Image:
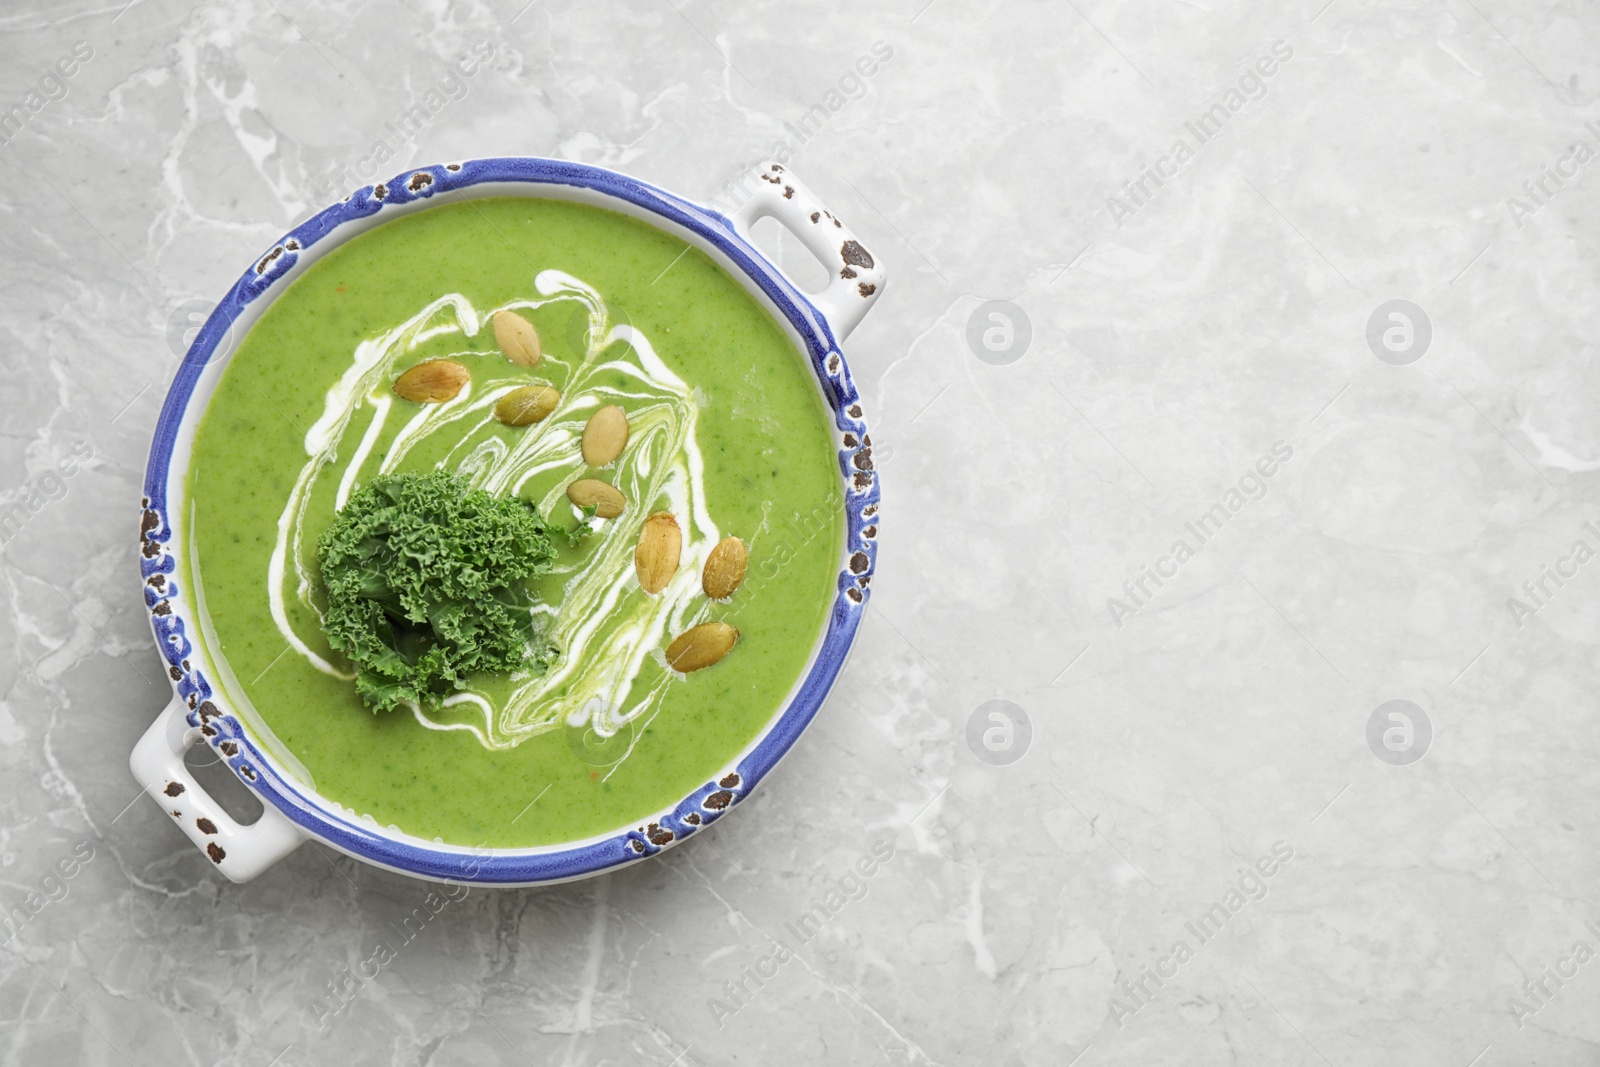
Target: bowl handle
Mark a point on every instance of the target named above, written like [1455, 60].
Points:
[855, 277]
[241, 852]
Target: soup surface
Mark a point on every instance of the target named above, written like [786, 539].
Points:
[727, 431]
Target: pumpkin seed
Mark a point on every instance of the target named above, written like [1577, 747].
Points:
[607, 500]
[660, 548]
[724, 568]
[700, 647]
[432, 382]
[605, 436]
[517, 338]
[527, 404]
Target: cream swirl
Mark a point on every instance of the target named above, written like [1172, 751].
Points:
[604, 627]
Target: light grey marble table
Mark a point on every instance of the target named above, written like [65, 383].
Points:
[1221, 842]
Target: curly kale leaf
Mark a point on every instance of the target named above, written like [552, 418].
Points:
[426, 584]
[584, 527]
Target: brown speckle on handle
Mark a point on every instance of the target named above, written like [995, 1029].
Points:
[863, 481]
[380, 191]
[636, 845]
[174, 789]
[718, 800]
[863, 460]
[859, 563]
[850, 440]
[229, 748]
[420, 180]
[658, 834]
[161, 608]
[177, 675]
[847, 273]
[866, 289]
[452, 167]
[870, 532]
[214, 850]
[788, 192]
[246, 770]
[693, 818]
[852, 253]
[855, 411]
[292, 245]
[206, 825]
[209, 710]
[149, 523]
[854, 594]
[208, 730]
[815, 215]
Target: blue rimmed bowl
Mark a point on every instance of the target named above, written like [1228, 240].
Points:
[292, 809]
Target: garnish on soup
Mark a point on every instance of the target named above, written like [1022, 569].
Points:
[424, 580]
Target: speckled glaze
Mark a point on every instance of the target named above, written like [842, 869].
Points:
[198, 713]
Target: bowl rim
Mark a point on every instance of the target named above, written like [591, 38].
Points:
[173, 616]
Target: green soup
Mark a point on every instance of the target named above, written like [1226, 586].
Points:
[728, 431]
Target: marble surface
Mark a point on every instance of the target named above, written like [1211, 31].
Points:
[1176, 742]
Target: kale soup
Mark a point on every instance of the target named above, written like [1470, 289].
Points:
[513, 521]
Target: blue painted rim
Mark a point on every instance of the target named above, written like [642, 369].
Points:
[176, 633]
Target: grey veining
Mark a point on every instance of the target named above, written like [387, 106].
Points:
[1179, 330]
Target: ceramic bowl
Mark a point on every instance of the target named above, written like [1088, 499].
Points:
[199, 713]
